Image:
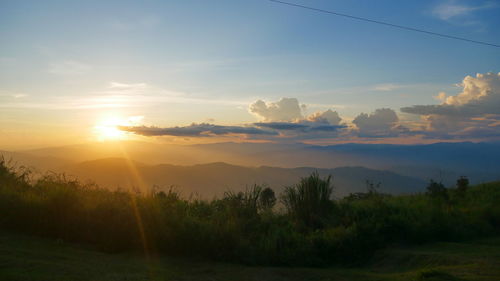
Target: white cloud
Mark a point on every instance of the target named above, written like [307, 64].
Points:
[484, 88]
[328, 116]
[383, 122]
[118, 85]
[387, 87]
[145, 22]
[459, 12]
[286, 109]
[451, 9]
[474, 112]
[10, 95]
[69, 67]
[480, 95]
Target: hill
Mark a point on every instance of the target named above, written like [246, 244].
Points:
[312, 228]
[440, 161]
[213, 179]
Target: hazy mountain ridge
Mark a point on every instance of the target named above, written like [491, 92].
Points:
[213, 179]
[440, 161]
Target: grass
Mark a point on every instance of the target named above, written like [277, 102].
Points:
[32, 258]
[238, 228]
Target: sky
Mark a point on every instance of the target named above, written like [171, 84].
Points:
[196, 71]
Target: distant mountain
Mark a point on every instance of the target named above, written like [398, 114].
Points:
[34, 162]
[439, 161]
[213, 179]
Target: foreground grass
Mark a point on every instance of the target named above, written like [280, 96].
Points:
[314, 230]
[29, 258]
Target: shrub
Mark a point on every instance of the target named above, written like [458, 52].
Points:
[242, 226]
[309, 202]
[267, 199]
[437, 190]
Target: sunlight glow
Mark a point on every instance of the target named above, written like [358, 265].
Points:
[107, 128]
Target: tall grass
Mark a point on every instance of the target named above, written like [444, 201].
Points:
[309, 202]
[314, 229]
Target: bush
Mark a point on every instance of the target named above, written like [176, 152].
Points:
[243, 227]
[309, 202]
[437, 190]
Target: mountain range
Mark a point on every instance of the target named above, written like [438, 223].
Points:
[211, 169]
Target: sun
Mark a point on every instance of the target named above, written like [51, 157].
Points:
[107, 129]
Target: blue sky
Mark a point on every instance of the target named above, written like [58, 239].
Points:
[207, 61]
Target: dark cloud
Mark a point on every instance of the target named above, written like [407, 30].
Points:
[257, 129]
[303, 126]
[196, 130]
[281, 125]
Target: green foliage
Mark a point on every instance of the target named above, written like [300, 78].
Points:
[371, 187]
[315, 230]
[33, 258]
[436, 275]
[267, 199]
[309, 202]
[437, 190]
[462, 185]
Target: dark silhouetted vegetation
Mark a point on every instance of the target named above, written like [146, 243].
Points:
[462, 185]
[267, 199]
[309, 202]
[437, 190]
[312, 229]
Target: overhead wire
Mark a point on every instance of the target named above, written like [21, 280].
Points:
[408, 28]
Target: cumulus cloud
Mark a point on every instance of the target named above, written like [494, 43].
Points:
[382, 122]
[195, 130]
[474, 113]
[329, 117]
[480, 95]
[476, 109]
[287, 118]
[286, 109]
[290, 124]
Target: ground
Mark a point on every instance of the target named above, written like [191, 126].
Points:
[29, 258]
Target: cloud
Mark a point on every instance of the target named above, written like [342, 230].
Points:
[453, 9]
[257, 129]
[138, 23]
[195, 130]
[480, 95]
[461, 13]
[473, 113]
[386, 87]
[281, 125]
[286, 109]
[325, 124]
[114, 95]
[383, 122]
[69, 67]
[12, 95]
[302, 127]
[328, 116]
[128, 86]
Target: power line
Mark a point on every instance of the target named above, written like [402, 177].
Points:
[385, 23]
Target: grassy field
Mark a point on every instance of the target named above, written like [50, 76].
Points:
[30, 258]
